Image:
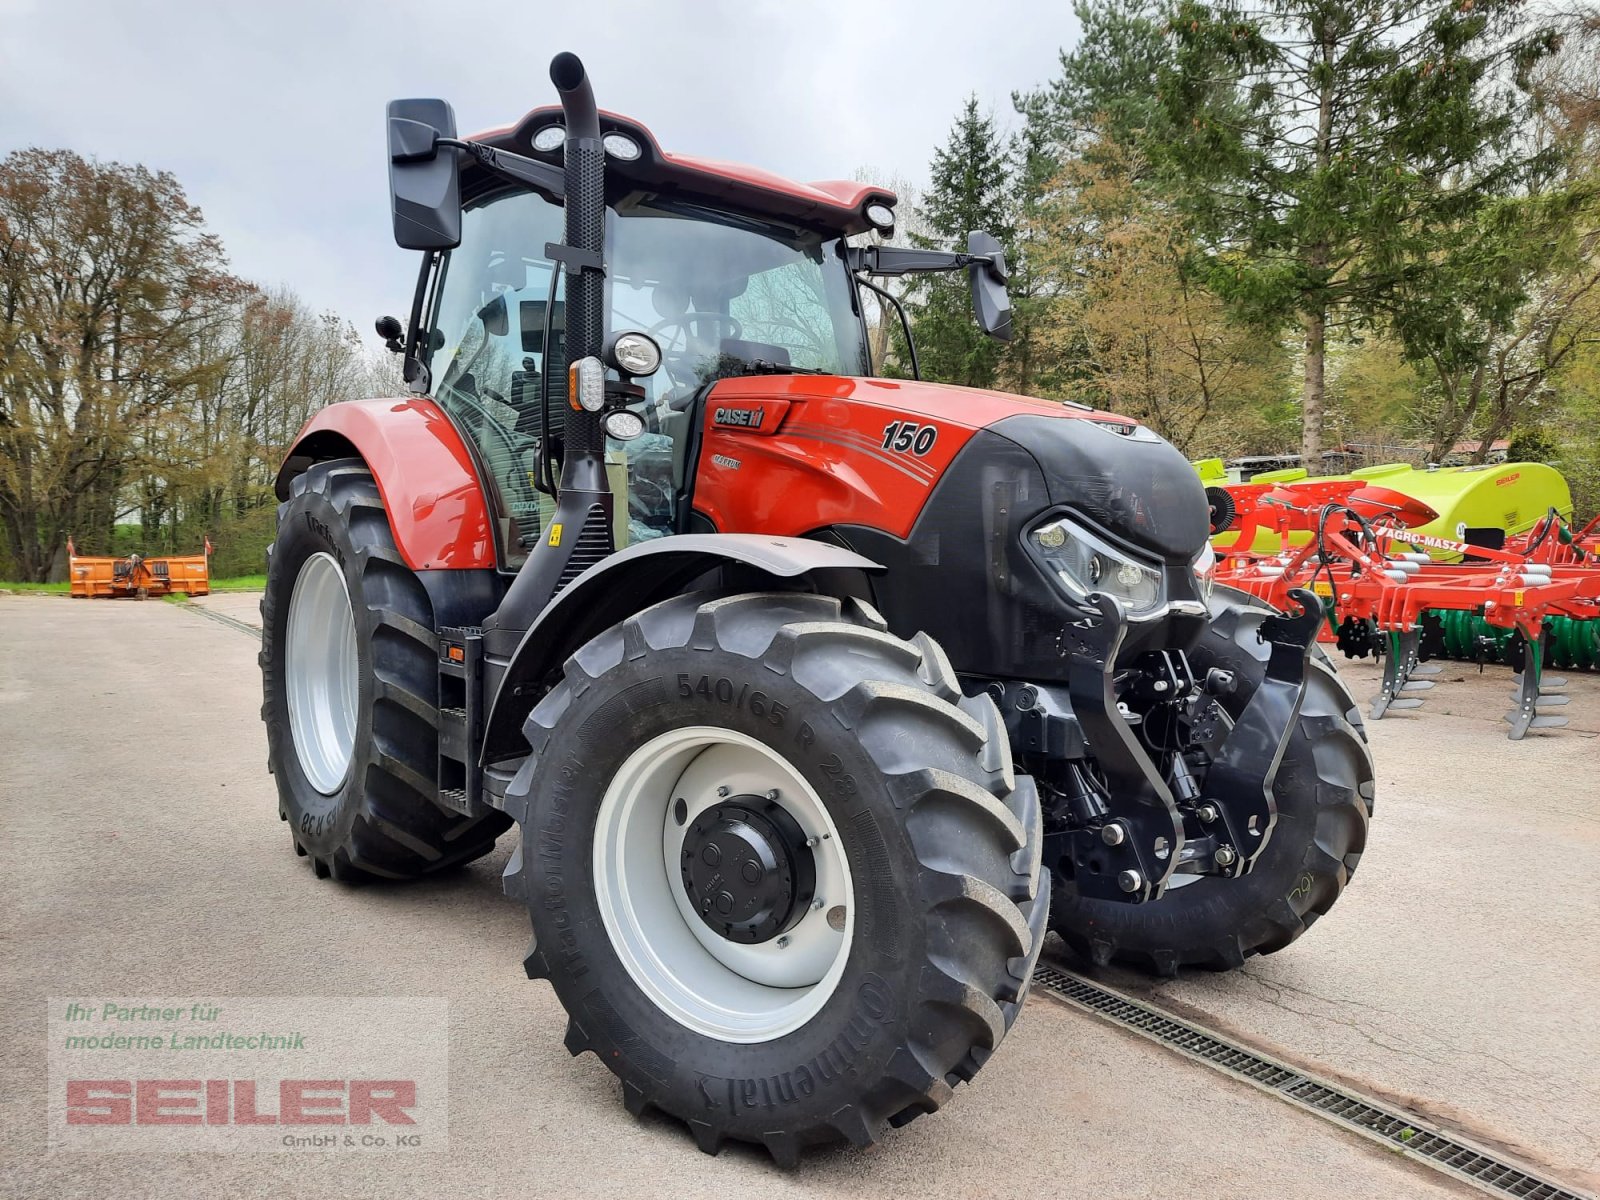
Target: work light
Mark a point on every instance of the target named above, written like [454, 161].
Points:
[586, 385]
[634, 354]
[623, 425]
[620, 146]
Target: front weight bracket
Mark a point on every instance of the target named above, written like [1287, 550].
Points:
[1244, 767]
[1133, 861]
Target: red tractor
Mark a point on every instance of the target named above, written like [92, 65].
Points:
[817, 698]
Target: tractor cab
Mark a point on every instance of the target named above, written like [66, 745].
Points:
[729, 270]
[720, 293]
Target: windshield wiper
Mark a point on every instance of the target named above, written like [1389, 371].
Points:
[762, 367]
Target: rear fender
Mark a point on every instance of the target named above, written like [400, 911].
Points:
[424, 472]
[629, 582]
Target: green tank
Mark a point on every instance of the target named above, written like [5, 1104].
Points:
[1513, 497]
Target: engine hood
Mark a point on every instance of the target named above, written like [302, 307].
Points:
[1124, 478]
[970, 408]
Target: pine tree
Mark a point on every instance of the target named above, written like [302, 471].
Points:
[1338, 154]
[968, 190]
[1104, 95]
[1107, 85]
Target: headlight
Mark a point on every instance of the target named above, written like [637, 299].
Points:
[1085, 563]
[633, 354]
[1205, 572]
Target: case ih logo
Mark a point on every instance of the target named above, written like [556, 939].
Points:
[739, 418]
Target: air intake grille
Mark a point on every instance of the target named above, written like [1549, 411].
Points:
[594, 544]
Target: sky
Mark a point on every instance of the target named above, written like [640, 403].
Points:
[271, 114]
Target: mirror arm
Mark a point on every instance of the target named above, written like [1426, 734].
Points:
[551, 181]
[901, 260]
[412, 370]
[905, 322]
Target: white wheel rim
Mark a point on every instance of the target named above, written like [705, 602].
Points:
[735, 992]
[322, 674]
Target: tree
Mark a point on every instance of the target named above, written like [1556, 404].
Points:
[139, 380]
[1126, 324]
[968, 191]
[110, 292]
[1106, 88]
[1548, 240]
[1104, 94]
[1337, 154]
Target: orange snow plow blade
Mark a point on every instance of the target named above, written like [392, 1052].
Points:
[137, 576]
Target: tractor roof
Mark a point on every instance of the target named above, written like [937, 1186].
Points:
[833, 205]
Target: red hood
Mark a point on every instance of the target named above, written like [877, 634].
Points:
[970, 408]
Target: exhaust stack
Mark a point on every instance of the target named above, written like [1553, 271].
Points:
[579, 533]
[585, 234]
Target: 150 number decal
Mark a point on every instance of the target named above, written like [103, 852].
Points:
[910, 437]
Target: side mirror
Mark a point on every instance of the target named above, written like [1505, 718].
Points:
[991, 303]
[496, 319]
[424, 183]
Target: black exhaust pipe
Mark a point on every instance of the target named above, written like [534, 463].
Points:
[577, 97]
[585, 162]
[579, 533]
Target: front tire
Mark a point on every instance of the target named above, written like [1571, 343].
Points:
[705, 708]
[1324, 792]
[350, 690]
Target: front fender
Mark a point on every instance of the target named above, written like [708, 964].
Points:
[424, 472]
[629, 582]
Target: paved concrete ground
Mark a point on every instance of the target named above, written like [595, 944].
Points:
[1459, 974]
[142, 856]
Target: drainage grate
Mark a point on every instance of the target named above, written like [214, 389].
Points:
[1396, 1130]
[243, 627]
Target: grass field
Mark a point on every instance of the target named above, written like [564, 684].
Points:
[239, 583]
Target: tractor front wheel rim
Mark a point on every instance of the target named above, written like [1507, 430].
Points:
[322, 675]
[771, 976]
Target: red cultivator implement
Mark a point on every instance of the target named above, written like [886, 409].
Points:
[1385, 594]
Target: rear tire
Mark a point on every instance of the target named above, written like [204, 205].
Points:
[357, 786]
[945, 898]
[1324, 791]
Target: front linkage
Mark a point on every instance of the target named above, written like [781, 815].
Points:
[1124, 824]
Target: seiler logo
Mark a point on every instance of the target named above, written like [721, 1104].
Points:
[739, 418]
[234, 1102]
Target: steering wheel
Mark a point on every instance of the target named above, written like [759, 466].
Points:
[685, 326]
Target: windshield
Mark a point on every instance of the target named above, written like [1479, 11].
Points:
[723, 294]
